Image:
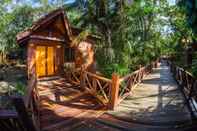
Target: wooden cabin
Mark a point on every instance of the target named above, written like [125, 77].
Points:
[49, 46]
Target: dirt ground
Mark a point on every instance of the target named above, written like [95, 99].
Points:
[10, 77]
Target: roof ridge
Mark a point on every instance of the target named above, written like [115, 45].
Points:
[27, 32]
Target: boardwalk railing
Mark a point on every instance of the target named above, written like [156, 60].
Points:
[98, 86]
[188, 84]
[130, 81]
[25, 117]
[18, 119]
[32, 101]
[9, 121]
[111, 92]
[73, 76]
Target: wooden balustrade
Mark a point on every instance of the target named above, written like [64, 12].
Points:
[26, 116]
[130, 81]
[98, 86]
[73, 76]
[9, 121]
[110, 92]
[32, 101]
[188, 85]
[23, 114]
[18, 119]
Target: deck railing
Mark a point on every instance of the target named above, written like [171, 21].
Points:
[111, 92]
[18, 119]
[73, 76]
[98, 86]
[25, 117]
[9, 121]
[188, 84]
[130, 81]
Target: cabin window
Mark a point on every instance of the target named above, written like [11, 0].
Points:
[69, 54]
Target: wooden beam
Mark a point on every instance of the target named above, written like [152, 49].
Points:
[8, 114]
[47, 38]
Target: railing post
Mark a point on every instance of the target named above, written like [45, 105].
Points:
[82, 80]
[23, 114]
[140, 73]
[114, 91]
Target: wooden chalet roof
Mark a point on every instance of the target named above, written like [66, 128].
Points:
[71, 31]
[23, 36]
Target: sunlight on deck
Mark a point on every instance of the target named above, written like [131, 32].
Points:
[156, 100]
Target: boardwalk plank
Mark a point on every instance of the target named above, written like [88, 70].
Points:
[156, 104]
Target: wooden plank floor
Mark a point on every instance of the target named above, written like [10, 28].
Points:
[156, 105]
[63, 105]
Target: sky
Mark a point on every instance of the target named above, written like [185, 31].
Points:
[172, 2]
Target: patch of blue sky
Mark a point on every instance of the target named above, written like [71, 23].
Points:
[172, 2]
[33, 3]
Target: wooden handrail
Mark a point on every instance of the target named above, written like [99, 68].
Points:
[97, 86]
[31, 85]
[188, 84]
[8, 114]
[31, 101]
[133, 79]
[131, 74]
[23, 114]
[98, 77]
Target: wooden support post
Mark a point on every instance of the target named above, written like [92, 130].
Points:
[94, 83]
[82, 80]
[140, 74]
[156, 63]
[114, 91]
[23, 114]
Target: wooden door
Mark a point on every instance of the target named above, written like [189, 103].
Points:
[50, 61]
[41, 61]
[45, 61]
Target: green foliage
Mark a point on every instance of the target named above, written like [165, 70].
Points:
[114, 68]
[132, 33]
[190, 8]
[20, 88]
[194, 71]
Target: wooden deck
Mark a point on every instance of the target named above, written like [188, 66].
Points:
[155, 104]
[63, 104]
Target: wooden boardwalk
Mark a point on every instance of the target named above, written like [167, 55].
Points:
[63, 104]
[155, 104]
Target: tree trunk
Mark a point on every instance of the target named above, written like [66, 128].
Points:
[2, 58]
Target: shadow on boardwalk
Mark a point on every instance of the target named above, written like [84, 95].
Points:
[156, 105]
[156, 102]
